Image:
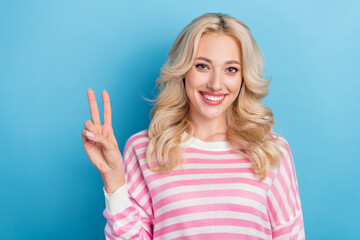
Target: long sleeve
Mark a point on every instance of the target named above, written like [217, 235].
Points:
[283, 199]
[128, 210]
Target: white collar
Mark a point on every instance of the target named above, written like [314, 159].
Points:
[194, 142]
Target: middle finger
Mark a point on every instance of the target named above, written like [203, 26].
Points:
[107, 108]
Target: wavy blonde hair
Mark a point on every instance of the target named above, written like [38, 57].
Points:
[249, 123]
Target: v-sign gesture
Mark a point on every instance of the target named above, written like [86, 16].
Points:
[100, 144]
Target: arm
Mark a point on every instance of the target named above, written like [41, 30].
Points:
[128, 210]
[283, 199]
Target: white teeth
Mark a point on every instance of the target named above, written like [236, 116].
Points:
[212, 98]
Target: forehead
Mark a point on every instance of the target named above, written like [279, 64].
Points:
[218, 47]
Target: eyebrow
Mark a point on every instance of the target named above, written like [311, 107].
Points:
[209, 61]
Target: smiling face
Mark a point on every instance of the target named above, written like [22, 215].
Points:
[213, 82]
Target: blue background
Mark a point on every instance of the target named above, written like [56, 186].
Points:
[52, 51]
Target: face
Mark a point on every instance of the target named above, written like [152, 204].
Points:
[213, 82]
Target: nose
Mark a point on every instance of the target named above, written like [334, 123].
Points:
[214, 81]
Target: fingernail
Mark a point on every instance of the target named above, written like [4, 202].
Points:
[104, 90]
[89, 134]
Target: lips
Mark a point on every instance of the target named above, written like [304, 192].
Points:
[212, 98]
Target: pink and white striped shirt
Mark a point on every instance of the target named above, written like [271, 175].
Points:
[212, 195]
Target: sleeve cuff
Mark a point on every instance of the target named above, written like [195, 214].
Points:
[117, 201]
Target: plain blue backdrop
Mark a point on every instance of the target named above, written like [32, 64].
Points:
[52, 51]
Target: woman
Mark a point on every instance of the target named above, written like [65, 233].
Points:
[209, 166]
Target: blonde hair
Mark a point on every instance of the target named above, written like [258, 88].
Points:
[249, 123]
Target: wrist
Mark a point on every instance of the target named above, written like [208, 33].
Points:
[113, 181]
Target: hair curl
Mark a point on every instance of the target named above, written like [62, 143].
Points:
[249, 123]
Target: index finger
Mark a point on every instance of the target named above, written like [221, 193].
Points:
[93, 107]
[107, 108]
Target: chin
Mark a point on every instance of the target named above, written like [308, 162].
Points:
[212, 116]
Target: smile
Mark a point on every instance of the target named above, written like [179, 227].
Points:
[212, 99]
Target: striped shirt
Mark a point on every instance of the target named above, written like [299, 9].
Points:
[213, 194]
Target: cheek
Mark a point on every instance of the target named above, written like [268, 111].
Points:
[233, 85]
[235, 89]
[195, 79]
[189, 88]
[238, 86]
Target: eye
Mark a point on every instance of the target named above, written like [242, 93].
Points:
[202, 66]
[233, 70]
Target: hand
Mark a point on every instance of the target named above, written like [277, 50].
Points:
[102, 149]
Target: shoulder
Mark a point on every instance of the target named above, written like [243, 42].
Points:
[134, 140]
[280, 140]
[285, 151]
[142, 135]
[283, 145]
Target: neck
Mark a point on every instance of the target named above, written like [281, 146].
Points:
[210, 130]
